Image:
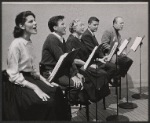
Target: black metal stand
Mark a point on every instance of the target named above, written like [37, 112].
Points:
[127, 105]
[140, 95]
[96, 120]
[96, 91]
[117, 117]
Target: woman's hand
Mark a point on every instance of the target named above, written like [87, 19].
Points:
[45, 81]
[93, 66]
[41, 94]
[37, 90]
[77, 81]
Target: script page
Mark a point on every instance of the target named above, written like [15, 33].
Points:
[90, 58]
[122, 47]
[57, 66]
[136, 43]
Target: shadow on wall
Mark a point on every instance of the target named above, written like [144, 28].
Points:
[124, 81]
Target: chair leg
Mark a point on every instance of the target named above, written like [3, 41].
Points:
[120, 90]
[87, 112]
[104, 103]
[116, 90]
[80, 107]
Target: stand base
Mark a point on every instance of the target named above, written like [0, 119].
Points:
[117, 118]
[94, 120]
[127, 105]
[140, 96]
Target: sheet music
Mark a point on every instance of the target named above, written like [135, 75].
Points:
[136, 43]
[122, 47]
[90, 58]
[57, 66]
[112, 51]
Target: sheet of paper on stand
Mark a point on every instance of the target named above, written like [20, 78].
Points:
[136, 43]
[123, 46]
[90, 58]
[57, 66]
[112, 51]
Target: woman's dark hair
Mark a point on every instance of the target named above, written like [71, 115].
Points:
[21, 19]
[54, 22]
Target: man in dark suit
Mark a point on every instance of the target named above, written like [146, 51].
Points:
[53, 47]
[90, 41]
[112, 35]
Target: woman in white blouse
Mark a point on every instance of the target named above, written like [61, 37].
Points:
[35, 98]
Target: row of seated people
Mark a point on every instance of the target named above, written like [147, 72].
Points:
[27, 95]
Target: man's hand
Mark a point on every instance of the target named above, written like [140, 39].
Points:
[77, 81]
[81, 77]
[54, 84]
[124, 53]
[93, 66]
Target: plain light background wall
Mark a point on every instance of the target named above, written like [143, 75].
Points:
[135, 17]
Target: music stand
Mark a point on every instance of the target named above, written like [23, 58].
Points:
[95, 90]
[140, 95]
[127, 105]
[64, 68]
[65, 65]
[93, 57]
[117, 117]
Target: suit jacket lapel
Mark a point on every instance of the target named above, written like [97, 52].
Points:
[93, 38]
[117, 36]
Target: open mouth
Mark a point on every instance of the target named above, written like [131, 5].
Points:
[34, 27]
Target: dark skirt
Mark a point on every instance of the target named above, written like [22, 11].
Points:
[21, 103]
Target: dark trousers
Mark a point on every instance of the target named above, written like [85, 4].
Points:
[124, 64]
[109, 67]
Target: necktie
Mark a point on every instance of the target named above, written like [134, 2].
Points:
[95, 40]
[64, 45]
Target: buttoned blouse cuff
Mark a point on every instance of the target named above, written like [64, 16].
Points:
[18, 79]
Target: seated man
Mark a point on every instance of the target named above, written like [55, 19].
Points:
[108, 39]
[54, 46]
[90, 42]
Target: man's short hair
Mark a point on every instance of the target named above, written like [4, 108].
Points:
[92, 19]
[53, 21]
[115, 19]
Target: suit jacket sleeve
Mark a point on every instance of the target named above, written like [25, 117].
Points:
[106, 38]
[87, 39]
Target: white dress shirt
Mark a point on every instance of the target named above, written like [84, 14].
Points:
[20, 58]
[58, 36]
[91, 32]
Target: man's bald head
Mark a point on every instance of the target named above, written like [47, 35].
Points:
[118, 23]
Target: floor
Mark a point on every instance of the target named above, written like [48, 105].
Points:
[137, 114]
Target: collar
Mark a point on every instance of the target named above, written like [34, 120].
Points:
[91, 32]
[25, 42]
[78, 37]
[58, 36]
